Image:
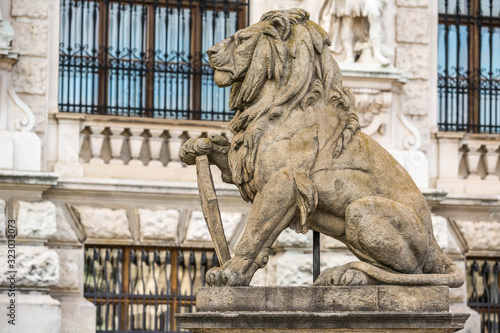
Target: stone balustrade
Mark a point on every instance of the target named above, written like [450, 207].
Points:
[116, 147]
[468, 163]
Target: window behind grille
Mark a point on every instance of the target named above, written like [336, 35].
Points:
[483, 295]
[469, 66]
[141, 288]
[144, 58]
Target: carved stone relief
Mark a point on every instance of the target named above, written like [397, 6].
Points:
[372, 106]
[357, 30]
[6, 35]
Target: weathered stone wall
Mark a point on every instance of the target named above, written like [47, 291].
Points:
[36, 264]
[30, 21]
[413, 37]
[151, 224]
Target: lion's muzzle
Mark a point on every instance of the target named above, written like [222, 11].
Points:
[218, 55]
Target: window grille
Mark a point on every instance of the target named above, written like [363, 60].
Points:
[483, 283]
[139, 289]
[144, 58]
[469, 66]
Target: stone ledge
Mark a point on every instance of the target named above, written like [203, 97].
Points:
[324, 299]
[281, 322]
[364, 309]
[29, 177]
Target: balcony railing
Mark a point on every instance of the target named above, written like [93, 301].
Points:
[127, 148]
[144, 58]
[467, 163]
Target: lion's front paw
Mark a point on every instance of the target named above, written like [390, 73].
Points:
[214, 145]
[194, 147]
[222, 277]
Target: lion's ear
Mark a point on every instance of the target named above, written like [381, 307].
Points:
[279, 27]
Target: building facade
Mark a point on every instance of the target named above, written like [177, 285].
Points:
[97, 97]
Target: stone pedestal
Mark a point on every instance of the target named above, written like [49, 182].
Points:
[322, 309]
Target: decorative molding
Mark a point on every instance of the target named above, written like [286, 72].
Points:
[22, 123]
[414, 140]
[372, 106]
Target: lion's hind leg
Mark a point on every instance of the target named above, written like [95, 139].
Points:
[344, 275]
[362, 273]
[393, 245]
[382, 233]
[387, 234]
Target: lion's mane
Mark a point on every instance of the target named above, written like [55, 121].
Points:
[292, 51]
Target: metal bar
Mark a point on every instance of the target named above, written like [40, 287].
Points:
[316, 255]
[446, 65]
[490, 73]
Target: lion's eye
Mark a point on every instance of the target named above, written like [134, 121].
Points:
[241, 39]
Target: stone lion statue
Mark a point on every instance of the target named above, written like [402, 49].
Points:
[299, 156]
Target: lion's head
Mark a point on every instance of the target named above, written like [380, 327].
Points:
[284, 45]
[276, 66]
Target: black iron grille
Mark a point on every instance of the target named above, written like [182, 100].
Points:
[138, 289]
[469, 66]
[483, 283]
[144, 58]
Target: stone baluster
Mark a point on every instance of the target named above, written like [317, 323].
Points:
[474, 156]
[96, 141]
[490, 160]
[462, 156]
[155, 144]
[84, 133]
[116, 142]
[194, 134]
[174, 145]
[136, 140]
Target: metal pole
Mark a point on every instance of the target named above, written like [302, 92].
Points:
[316, 255]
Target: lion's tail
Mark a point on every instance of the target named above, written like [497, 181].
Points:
[453, 277]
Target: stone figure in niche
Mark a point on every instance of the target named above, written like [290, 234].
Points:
[299, 156]
[355, 29]
[6, 35]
